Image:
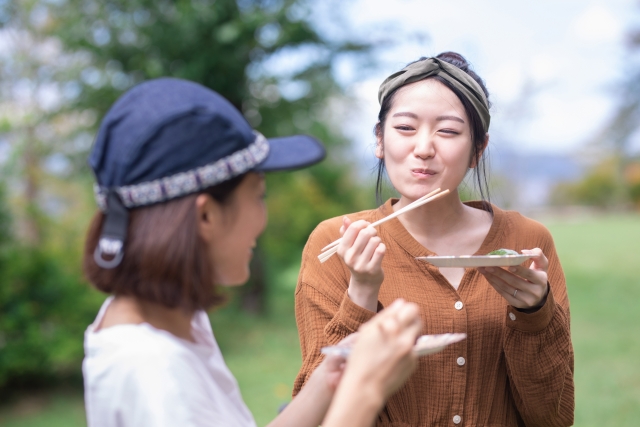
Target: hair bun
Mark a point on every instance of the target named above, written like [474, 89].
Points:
[456, 59]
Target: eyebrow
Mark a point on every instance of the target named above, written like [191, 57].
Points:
[439, 118]
[454, 118]
[405, 114]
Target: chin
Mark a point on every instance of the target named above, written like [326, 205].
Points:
[232, 280]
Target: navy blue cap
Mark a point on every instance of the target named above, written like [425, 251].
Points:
[168, 127]
[166, 138]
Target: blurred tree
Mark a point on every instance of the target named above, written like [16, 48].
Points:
[613, 181]
[262, 55]
[38, 136]
[63, 63]
[596, 189]
[617, 136]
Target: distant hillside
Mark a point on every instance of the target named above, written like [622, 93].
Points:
[524, 180]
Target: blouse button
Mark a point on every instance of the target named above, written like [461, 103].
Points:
[457, 419]
[512, 316]
[460, 361]
[458, 305]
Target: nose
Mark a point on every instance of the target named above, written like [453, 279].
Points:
[424, 148]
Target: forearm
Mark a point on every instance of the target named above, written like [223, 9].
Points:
[309, 407]
[354, 406]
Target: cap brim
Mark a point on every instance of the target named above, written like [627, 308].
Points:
[292, 152]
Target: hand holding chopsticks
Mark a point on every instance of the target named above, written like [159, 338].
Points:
[332, 248]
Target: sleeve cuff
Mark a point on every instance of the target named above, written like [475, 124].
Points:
[350, 315]
[532, 322]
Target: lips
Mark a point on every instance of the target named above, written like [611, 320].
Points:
[423, 172]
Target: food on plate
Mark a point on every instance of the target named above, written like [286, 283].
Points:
[503, 252]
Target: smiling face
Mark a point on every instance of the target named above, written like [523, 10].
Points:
[426, 140]
[232, 229]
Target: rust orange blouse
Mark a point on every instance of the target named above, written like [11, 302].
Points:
[514, 369]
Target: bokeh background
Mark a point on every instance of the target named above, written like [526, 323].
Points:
[564, 79]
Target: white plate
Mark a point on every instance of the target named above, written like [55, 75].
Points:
[426, 344]
[475, 260]
[429, 344]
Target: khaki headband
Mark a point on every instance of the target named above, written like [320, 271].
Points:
[434, 67]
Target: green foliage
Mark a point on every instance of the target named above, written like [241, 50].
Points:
[45, 308]
[5, 219]
[598, 188]
[610, 184]
[230, 46]
[108, 46]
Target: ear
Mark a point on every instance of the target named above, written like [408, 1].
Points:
[379, 142]
[474, 160]
[209, 217]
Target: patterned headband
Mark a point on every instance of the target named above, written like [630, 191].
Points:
[434, 67]
[192, 181]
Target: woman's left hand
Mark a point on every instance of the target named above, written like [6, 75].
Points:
[332, 367]
[522, 287]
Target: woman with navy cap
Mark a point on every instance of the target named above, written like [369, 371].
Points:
[181, 196]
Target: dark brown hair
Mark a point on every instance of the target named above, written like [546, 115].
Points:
[475, 124]
[165, 259]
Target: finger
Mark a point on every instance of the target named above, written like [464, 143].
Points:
[348, 340]
[369, 250]
[333, 362]
[408, 314]
[502, 287]
[405, 321]
[497, 282]
[531, 275]
[508, 277]
[525, 297]
[378, 254]
[351, 233]
[364, 235]
[359, 245]
[539, 260]
[503, 292]
[346, 222]
[389, 311]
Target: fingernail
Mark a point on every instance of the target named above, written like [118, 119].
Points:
[512, 269]
[489, 269]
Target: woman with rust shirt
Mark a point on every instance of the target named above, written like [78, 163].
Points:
[516, 366]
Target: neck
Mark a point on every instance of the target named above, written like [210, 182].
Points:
[131, 310]
[444, 214]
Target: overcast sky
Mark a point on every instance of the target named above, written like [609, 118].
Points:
[571, 52]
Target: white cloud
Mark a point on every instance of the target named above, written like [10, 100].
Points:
[546, 46]
[543, 68]
[506, 80]
[596, 24]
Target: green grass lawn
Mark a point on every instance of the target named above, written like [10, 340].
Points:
[602, 265]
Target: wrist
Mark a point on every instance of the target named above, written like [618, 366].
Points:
[318, 390]
[366, 296]
[541, 303]
[356, 402]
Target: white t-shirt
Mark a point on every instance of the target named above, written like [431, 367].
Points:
[140, 376]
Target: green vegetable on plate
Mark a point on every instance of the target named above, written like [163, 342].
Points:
[503, 252]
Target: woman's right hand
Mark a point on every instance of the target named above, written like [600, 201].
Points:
[362, 251]
[381, 360]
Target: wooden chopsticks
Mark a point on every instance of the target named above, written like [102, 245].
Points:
[329, 250]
